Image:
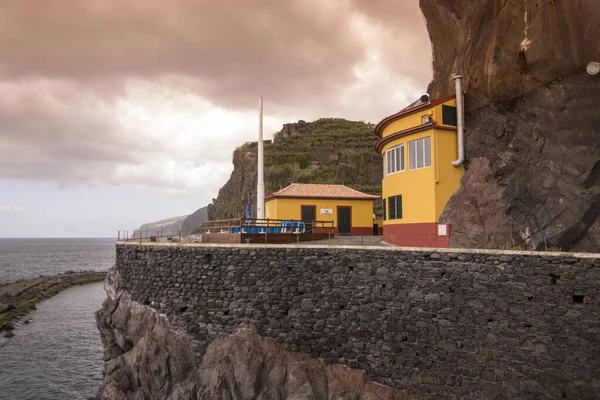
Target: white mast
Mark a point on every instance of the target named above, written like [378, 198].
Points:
[260, 185]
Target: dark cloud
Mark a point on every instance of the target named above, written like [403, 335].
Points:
[290, 50]
[232, 49]
[65, 65]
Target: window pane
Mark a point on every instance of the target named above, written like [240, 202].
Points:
[412, 163]
[420, 155]
[398, 158]
[392, 206]
[427, 141]
[401, 148]
[384, 210]
[389, 170]
[393, 160]
[399, 207]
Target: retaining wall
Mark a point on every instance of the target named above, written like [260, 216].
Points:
[471, 324]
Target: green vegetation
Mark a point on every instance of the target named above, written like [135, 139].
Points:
[328, 150]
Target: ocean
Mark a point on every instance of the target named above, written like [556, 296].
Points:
[58, 355]
[30, 258]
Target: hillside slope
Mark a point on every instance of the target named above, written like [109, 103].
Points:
[169, 226]
[328, 150]
[194, 221]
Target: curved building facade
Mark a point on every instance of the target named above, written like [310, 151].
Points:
[418, 145]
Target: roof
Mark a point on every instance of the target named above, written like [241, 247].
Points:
[418, 105]
[315, 190]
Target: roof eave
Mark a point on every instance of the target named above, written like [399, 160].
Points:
[388, 120]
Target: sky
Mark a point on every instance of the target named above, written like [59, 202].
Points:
[114, 114]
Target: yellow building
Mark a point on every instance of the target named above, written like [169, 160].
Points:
[419, 145]
[350, 210]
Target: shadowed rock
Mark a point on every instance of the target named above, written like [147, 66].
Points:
[532, 176]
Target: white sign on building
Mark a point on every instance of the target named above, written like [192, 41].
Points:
[326, 211]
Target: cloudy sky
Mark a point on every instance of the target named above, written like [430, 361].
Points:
[115, 113]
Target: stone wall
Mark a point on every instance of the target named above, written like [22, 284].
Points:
[477, 324]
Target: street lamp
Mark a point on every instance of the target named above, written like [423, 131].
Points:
[593, 68]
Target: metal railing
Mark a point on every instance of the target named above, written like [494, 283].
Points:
[268, 226]
[148, 235]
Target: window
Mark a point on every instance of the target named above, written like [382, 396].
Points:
[395, 204]
[449, 116]
[395, 159]
[419, 153]
[384, 210]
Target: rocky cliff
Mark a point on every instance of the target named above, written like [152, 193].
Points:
[532, 176]
[169, 226]
[194, 220]
[328, 150]
[146, 359]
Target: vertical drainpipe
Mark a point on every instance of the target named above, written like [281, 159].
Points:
[460, 121]
[260, 185]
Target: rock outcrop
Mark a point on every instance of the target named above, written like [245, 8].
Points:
[532, 176]
[146, 359]
[17, 299]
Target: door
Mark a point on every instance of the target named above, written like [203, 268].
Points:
[344, 220]
[308, 215]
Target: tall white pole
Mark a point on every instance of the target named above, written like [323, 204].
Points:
[260, 185]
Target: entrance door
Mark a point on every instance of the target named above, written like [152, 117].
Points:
[344, 220]
[308, 214]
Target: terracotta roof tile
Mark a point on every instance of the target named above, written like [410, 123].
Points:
[314, 190]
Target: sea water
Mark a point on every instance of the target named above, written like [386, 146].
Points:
[58, 355]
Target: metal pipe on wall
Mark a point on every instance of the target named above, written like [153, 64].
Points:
[460, 121]
[260, 184]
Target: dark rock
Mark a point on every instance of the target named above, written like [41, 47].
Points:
[532, 175]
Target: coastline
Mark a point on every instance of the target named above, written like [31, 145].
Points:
[19, 298]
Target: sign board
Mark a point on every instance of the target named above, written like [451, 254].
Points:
[326, 211]
[442, 230]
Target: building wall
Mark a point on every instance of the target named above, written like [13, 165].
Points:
[426, 191]
[448, 176]
[416, 119]
[362, 210]
[417, 187]
[440, 324]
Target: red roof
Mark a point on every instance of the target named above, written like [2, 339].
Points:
[315, 190]
[417, 106]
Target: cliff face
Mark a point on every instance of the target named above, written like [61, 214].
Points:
[194, 221]
[169, 226]
[532, 175]
[328, 150]
[146, 359]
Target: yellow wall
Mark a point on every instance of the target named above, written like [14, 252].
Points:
[284, 208]
[417, 187]
[416, 119]
[449, 176]
[424, 191]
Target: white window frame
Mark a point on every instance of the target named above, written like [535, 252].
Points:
[421, 147]
[391, 158]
